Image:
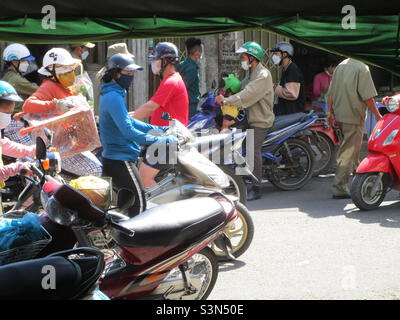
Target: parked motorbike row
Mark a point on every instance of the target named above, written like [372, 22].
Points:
[169, 251]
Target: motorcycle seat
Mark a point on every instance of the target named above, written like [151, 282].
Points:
[32, 279]
[287, 120]
[172, 224]
[23, 280]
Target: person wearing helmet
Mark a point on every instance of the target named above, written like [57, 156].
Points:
[17, 59]
[8, 99]
[80, 51]
[189, 69]
[231, 114]
[171, 96]
[111, 50]
[291, 90]
[257, 99]
[55, 97]
[120, 134]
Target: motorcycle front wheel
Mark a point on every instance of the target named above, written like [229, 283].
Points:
[295, 166]
[368, 190]
[237, 186]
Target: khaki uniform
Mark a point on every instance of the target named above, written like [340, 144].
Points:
[257, 98]
[23, 87]
[351, 85]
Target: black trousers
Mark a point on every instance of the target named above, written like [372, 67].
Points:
[125, 174]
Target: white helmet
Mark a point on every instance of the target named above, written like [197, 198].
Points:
[62, 60]
[17, 51]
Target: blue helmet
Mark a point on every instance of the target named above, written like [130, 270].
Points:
[7, 92]
[122, 61]
[166, 50]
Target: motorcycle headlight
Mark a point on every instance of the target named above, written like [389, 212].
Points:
[390, 138]
[392, 105]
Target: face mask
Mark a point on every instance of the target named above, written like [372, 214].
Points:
[85, 55]
[156, 67]
[245, 65]
[276, 59]
[23, 66]
[125, 81]
[5, 119]
[67, 79]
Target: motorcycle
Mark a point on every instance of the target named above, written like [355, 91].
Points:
[380, 170]
[196, 176]
[324, 143]
[288, 161]
[162, 253]
[76, 274]
[286, 136]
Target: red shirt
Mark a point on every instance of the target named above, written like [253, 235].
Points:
[172, 97]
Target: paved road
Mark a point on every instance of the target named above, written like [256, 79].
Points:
[309, 246]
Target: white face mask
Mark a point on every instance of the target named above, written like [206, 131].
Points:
[23, 66]
[85, 55]
[156, 67]
[245, 65]
[276, 59]
[5, 119]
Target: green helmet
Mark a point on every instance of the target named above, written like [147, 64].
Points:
[253, 49]
[232, 83]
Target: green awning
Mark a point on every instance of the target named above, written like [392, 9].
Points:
[376, 39]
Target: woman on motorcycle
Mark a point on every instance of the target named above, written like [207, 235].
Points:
[120, 134]
[8, 99]
[54, 97]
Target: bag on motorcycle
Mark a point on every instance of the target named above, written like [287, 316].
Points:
[73, 132]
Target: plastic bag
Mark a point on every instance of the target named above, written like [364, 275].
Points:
[98, 190]
[73, 132]
[83, 85]
[18, 232]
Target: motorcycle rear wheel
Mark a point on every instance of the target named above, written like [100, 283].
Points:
[240, 233]
[288, 175]
[325, 154]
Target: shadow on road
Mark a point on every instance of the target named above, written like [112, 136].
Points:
[315, 199]
[225, 266]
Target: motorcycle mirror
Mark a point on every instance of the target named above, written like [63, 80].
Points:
[125, 199]
[40, 149]
[166, 116]
[49, 135]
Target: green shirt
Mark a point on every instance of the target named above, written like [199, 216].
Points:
[351, 85]
[23, 87]
[190, 74]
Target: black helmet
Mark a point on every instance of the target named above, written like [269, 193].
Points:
[166, 50]
[122, 61]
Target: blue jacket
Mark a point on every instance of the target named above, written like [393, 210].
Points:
[120, 134]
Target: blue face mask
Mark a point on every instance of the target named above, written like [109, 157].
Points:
[125, 81]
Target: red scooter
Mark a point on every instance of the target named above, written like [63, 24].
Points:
[380, 170]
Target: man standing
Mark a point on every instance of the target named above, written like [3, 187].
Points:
[351, 92]
[111, 50]
[290, 91]
[80, 51]
[257, 98]
[189, 70]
